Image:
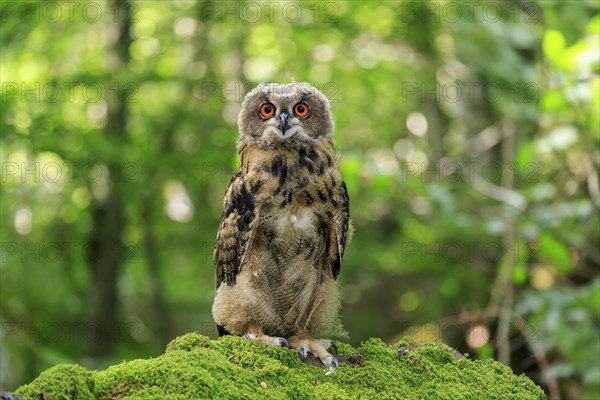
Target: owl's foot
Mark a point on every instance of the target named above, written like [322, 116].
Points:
[267, 340]
[318, 347]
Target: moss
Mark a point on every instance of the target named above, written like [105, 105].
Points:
[188, 342]
[62, 382]
[233, 368]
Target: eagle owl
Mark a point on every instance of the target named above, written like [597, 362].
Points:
[284, 225]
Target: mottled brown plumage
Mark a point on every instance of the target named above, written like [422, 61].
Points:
[284, 225]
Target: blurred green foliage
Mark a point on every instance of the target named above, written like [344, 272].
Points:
[467, 135]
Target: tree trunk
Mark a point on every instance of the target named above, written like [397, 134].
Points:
[107, 250]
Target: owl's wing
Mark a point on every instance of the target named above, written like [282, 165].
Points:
[340, 231]
[238, 223]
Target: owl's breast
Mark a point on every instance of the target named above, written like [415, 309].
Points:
[295, 193]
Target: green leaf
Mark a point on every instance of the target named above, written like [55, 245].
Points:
[381, 184]
[525, 154]
[553, 252]
[485, 352]
[554, 43]
[350, 168]
[519, 273]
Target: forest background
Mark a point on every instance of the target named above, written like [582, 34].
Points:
[467, 134]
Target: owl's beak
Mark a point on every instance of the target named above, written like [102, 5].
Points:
[283, 125]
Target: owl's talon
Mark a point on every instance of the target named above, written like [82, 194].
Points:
[267, 340]
[335, 361]
[332, 363]
[303, 351]
[332, 346]
[319, 348]
[281, 342]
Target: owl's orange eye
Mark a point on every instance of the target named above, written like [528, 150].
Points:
[267, 110]
[301, 110]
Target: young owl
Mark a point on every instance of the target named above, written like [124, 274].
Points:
[284, 225]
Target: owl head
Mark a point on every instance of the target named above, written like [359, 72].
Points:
[288, 114]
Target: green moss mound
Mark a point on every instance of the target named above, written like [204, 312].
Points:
[195, 367]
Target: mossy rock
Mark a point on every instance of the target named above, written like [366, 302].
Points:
[195, 367]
